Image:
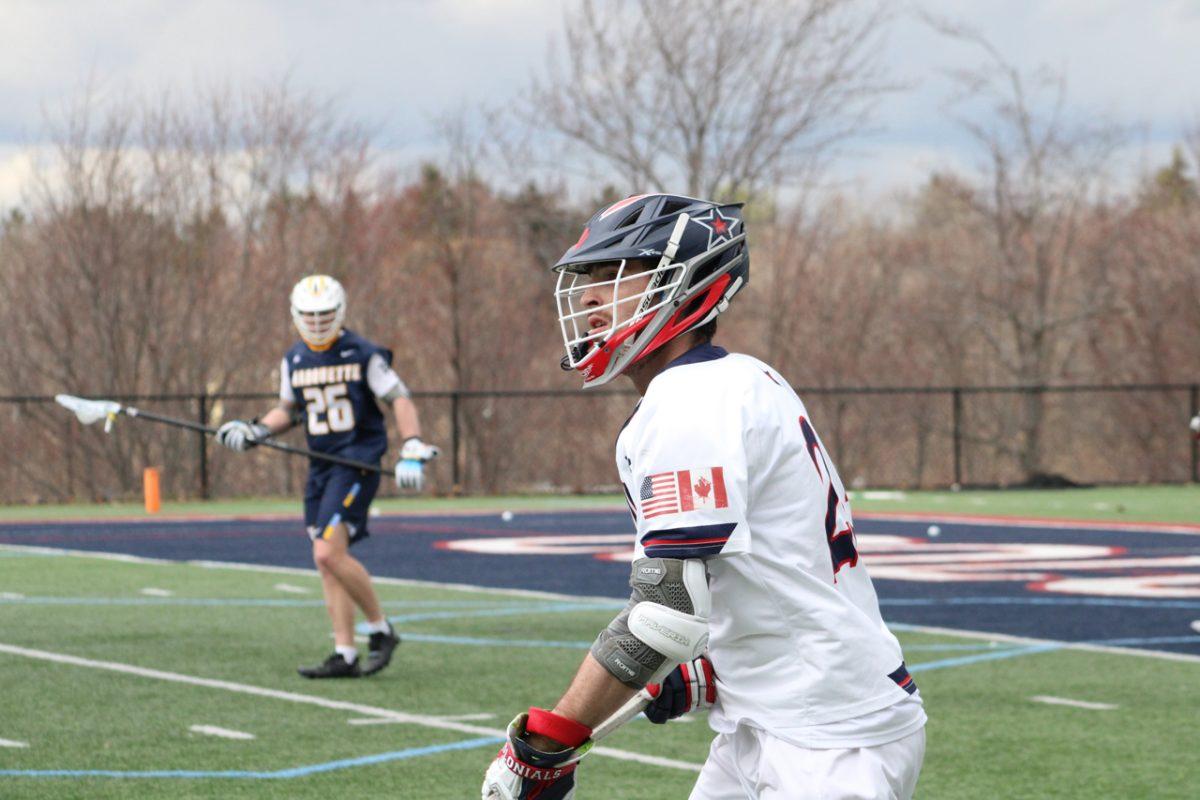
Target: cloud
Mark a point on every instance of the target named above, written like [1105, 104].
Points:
[17, 169]
[396, 66]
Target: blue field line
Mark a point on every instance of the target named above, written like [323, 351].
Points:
[556, 608]
[1038, 601]
[993, 655]
[581, 645]
[480, 642]
[245, 602]
[939, 647]
[282, 774]
[1144, 640]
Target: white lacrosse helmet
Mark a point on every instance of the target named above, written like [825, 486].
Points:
[318, 308]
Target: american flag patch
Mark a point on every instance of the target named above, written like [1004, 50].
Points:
[682, 490]
[660, 495]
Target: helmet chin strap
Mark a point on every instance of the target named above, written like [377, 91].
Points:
[578, 351]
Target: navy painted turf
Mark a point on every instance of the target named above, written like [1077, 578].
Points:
[405, 547]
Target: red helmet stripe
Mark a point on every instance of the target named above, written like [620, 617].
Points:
[617, 206]
[582, 238]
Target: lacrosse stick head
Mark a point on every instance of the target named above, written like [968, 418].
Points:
[90, 411]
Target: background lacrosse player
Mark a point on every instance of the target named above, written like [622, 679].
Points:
[330, 381]
[745, 542]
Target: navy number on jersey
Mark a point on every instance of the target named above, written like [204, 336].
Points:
[329, 409]
[839, 531]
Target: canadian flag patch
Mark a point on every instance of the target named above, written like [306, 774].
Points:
[702, 488]
[683, 490]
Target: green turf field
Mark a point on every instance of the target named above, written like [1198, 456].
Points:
[480, 653]
[1114, 503]
[1128, 504]
[1121, 503]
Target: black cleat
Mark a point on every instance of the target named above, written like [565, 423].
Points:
[380, 650]
[333, 667]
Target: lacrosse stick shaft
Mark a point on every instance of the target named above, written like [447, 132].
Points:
[286, 448]
[632, 707]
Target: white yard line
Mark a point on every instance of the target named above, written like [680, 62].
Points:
[11, 596]
[1091, 648]
[1064, 701]
[312, 700]
[150, 591]
[570, 598]
[949, 518]
[59, 551]
[290, 589]
[12, 743]
[223, 733]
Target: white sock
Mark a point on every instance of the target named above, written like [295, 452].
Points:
[348, 652]
[379, 626]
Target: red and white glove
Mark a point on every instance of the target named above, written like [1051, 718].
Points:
[521, 772]
[691, 686]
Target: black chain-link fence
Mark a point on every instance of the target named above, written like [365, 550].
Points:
[562, 441]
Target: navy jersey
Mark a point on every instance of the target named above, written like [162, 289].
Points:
[338, 409]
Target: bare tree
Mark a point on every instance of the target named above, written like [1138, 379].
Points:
[151, 239]
[719, 97]
[1036, 271]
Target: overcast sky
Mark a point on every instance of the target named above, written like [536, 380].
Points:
[399, 64]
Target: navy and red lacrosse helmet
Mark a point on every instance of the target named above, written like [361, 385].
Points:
[691, 253]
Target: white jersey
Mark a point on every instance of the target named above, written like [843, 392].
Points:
[721, 462]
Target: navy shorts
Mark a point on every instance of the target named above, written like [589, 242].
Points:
[334, 494]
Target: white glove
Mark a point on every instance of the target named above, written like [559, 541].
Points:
[410, 469]
[521, 771]
[239, 435]
[1195, 423]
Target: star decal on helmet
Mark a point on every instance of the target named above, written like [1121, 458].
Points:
[720, 228]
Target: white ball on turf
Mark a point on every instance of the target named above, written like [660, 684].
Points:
[934, 530]
[507, 516]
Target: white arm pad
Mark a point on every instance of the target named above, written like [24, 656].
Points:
[678, 636]
[665, 623]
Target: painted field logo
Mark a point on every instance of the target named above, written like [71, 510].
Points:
[1052, 567]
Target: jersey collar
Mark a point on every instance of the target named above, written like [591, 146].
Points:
[699, 354]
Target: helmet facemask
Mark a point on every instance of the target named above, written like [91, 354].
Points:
[673, 301]
[628, 308]
[319, 328]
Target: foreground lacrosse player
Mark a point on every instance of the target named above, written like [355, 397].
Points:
[745, 543]
[331, 379]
